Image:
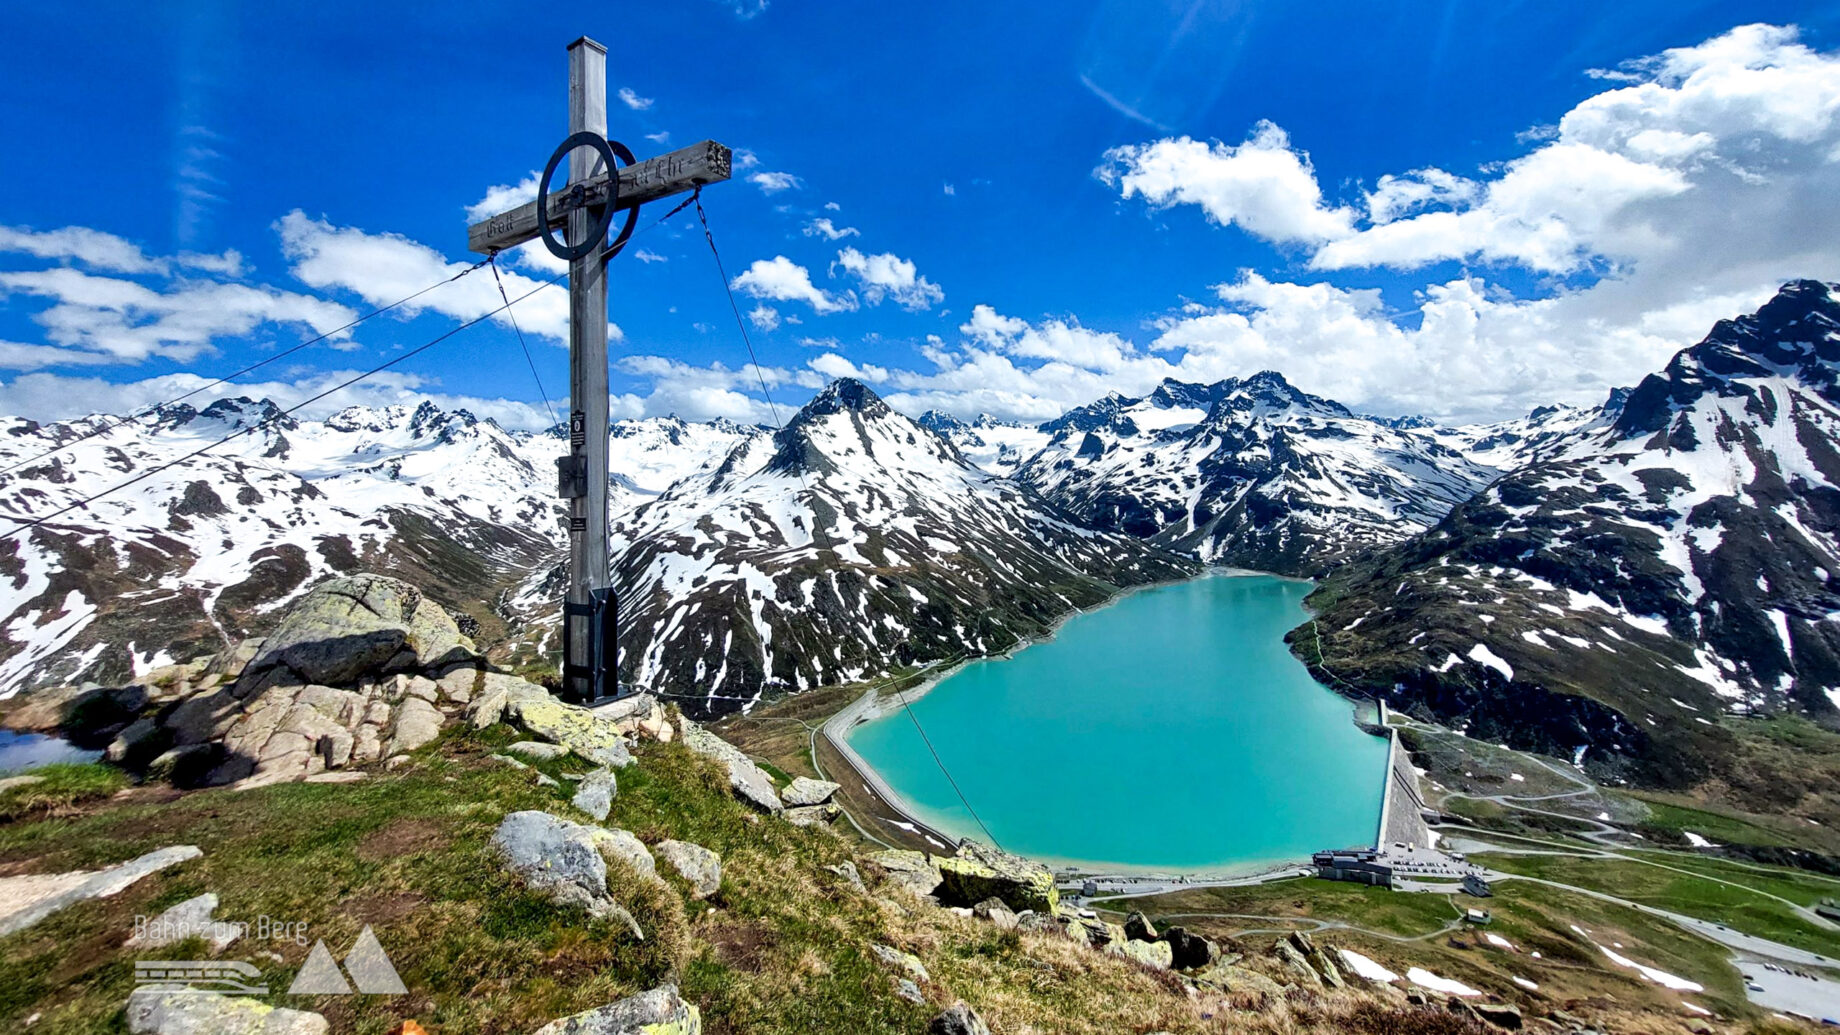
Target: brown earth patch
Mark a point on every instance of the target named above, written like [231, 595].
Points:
[405, 837]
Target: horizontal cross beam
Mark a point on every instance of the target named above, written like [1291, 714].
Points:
[684, 169]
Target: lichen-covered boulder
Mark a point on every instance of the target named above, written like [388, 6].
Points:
[660, 1011]
[556, 858]
[357, 625]
[156, 1011]
[621, 845]
[811, 815]
[578, 729]
[805, 791]
[914, 871]
[979, 872]
[494, 693]
[694, 863]
[749, 782]
[1151, 954]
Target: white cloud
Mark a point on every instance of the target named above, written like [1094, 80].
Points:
[382, 268]
[632, 100]
[1686, 192]
[745, 159]
[661, 138]
[889, 276]
[832, 206]
[504, 197]
[823, 227]
[764, 317]
[649, 257]
[93, 248]
[833, 366]
[950, 190]
[1698, 152]
[1262, 185]
[746, 10]
[783, 280]
[774, 182]
[47, 397]
[129, 322]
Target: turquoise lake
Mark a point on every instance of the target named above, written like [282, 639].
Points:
[1170, 730]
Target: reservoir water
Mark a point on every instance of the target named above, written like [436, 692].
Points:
[1171, 730]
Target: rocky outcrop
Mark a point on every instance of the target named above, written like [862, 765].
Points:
[957, 1019]
[580, 730]
[595, 793]
[812, 815]
[1188, 951]
[660, 1011]
[347, 628]
[1155, 955]
[699, 866]
[561, 861]
[621, 846]
[1138, 927]
[997, 912]
[749, 782]
[26, 900]
[186, 1012]
[913, 871]
[978, 872]
[805, 791]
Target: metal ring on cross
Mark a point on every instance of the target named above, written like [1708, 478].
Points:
[576, 195]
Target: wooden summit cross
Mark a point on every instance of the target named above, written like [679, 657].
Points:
[590, 640]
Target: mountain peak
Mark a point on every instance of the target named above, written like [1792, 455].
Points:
[1796, 333]
[841, 395]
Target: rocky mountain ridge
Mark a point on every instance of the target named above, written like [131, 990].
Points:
[852, 542]
[1609, 599]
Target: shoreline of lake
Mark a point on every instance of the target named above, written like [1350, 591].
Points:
[840, 730]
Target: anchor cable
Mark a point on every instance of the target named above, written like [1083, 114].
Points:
[83, 504]
[534, 376]
[225, 379]
[817, 527]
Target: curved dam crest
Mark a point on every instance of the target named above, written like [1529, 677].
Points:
[1168, 731]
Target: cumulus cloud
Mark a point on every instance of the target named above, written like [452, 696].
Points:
[47, 397]
[632, 100]
[774, 182]
[782, 280]
[381, 268]
[1263, 185]
[129, 322]
[1687, 191]
[823, 227]
[889, 276]
[1698, 149]
[764, 317]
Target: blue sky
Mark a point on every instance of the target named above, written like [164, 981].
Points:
[1451, 208]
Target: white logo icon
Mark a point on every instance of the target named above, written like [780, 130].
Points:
[369, 966]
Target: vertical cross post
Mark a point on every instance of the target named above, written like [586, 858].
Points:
[587, 387]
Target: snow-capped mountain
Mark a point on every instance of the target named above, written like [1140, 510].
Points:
[1251, 472]
[185, 560]
[998, 446]
[1677, 560]
[854, 542]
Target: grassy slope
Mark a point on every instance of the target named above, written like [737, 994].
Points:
[782, 948]
[1533, 917]
[1742, 909]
